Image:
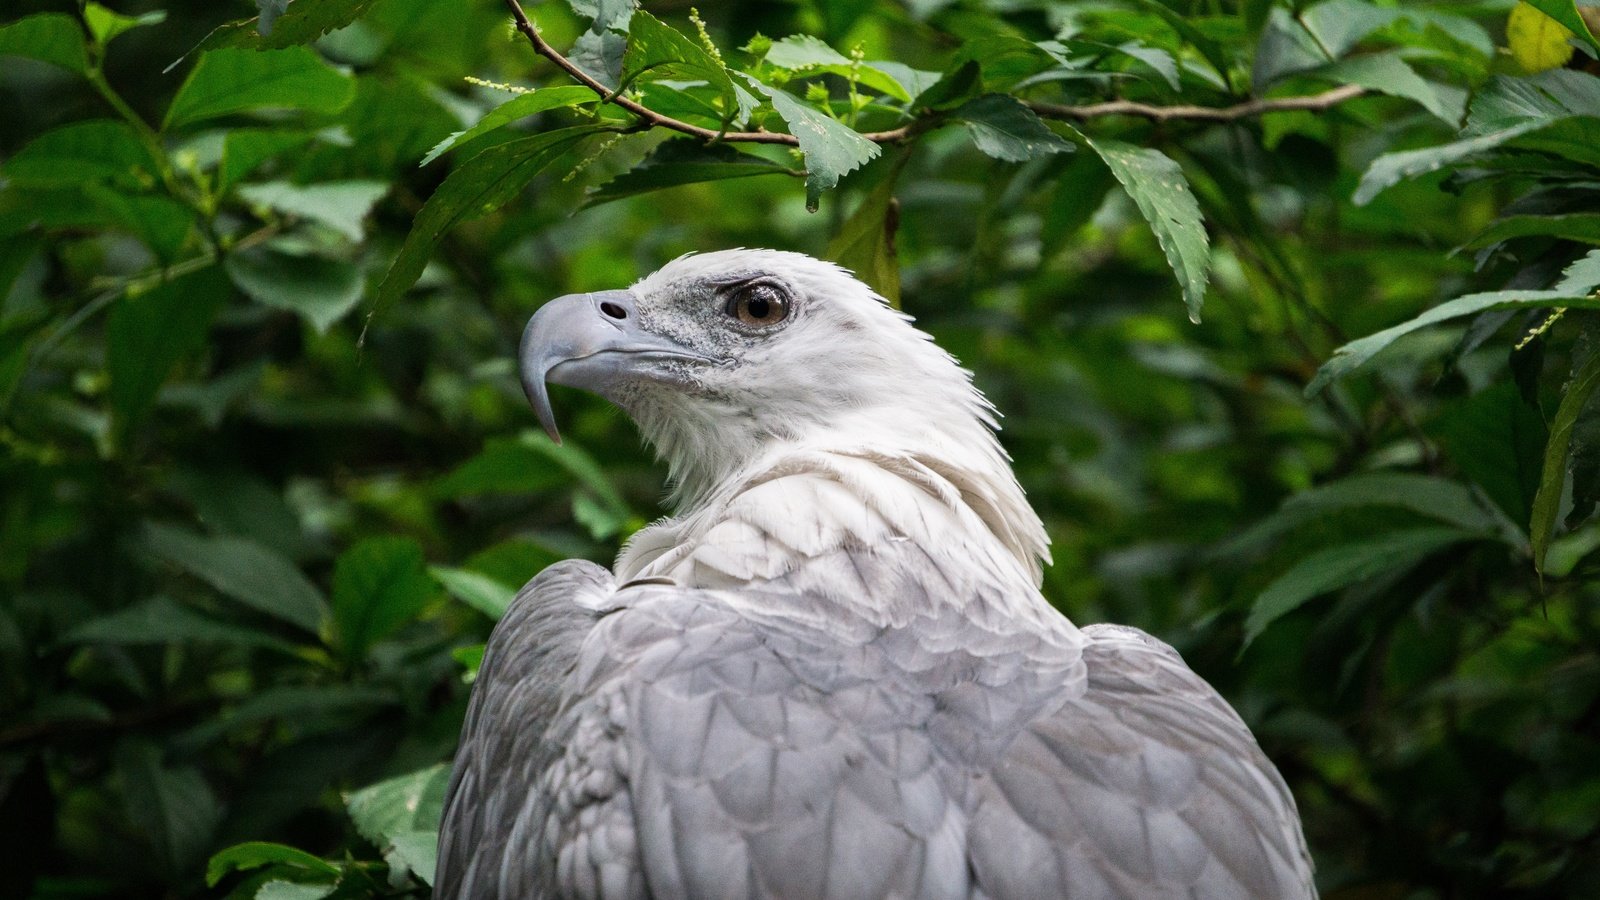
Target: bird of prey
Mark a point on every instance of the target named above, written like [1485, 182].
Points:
[831, 673]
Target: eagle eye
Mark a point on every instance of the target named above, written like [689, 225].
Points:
[758, 304]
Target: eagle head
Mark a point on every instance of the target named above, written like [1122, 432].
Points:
[725, 359]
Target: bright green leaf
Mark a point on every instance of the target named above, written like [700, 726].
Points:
[295, 890]
[255, 854]
[107, 24]
[1566, 12]
[96, 150]
[229, 81]
[831, 149]
[55, 38]
[475, 589]
[399, 808]
[660, 52]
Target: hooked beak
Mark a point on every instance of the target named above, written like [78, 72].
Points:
[589, 341]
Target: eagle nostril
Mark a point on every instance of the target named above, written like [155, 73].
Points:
[613, 310]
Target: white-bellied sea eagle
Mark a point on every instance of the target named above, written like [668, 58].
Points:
[831, 673]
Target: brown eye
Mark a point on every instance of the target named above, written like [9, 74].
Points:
[758, 305]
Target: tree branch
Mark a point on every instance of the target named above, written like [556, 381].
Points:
[652, 118]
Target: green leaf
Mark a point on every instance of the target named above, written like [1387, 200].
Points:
[55, 38]
[402, 816]
[105, 25]
[1285, 47]
[806, 54]
[1158, 188]
[831, 150]
[661, 52]
[1575, 400]
[1437, 498]
[148, 334]
[1003, 128]
[320, 290]
[173, 808]
[1582, 276]
[478, 186]
[96, 150]
[1583, 227]
[1497, 439]
[245, 149]
[680, 162]
[161, 223]
[303, 22]
[295, 890]
[518, 107]
[1357, 353]
[161, 620]
[229, 81]
[1566, 12]
[378, 585]
[293, 704]
[475, 589]
[255, 854]
[1338, 25]
[1344, 565]
[244, 570]
[865, 242]
[1388, 73]
[582, 466]
[340, 205]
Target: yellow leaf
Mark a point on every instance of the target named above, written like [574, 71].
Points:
[1537, 41]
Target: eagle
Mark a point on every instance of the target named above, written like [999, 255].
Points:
[830, 673]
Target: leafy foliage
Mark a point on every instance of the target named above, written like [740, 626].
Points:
[268, 478]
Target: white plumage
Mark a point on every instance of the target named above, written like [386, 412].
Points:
[831, 672]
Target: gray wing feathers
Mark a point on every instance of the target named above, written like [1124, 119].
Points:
[506, 743]
[1145, 785]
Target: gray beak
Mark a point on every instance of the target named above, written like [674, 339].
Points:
[589, 341]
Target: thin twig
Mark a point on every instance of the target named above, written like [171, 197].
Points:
[652, 118]
[1314, 102]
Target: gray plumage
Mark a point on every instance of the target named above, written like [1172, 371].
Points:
[831, 675]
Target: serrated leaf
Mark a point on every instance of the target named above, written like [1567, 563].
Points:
[55, 38]
[147, 334]
[1357, 353]
[1003, 128]
[96, 150]
[1582, 276]
[302, 22]
[416, 852]
[378, 585]
[680, 162]
[831, 150]
[806, 54]
[340, 205]
[1337, 567]
[231, 80]
[400, 806]
[1576, 399]
[518, 107]
[255, 854]
[474, 188]
[475, 589]
[865, 242]
[320, 290]
[244, 570]
[1161, 192]
[661, 52]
